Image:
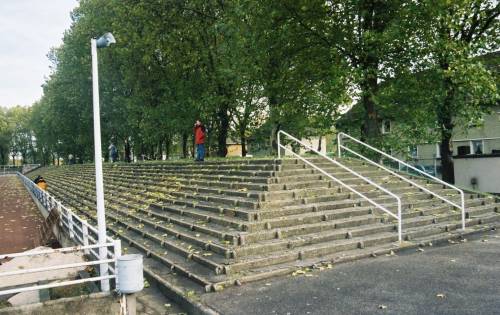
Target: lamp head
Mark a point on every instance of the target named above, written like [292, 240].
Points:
[105, 40]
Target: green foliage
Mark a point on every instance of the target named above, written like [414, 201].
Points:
[249, 68]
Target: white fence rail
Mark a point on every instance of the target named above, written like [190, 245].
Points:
[9, 169]
[341, 146]
[397, 215]
[79, 231]
[13, 169]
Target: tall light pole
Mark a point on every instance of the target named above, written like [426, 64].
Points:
[104, 41]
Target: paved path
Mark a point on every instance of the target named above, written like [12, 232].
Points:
[457, 279]
[20, 218]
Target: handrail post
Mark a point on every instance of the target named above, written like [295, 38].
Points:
[85, 236]
[462, 197]
[279, 144]
[70, 226]
[400, 224]
[339, 139]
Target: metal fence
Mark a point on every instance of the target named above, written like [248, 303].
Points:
[13, 169]
[81, 233]
[10, 169]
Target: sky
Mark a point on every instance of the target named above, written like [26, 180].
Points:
[28, 29]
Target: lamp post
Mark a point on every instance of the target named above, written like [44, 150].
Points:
[104, 41]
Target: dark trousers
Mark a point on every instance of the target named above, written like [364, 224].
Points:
[200, 152]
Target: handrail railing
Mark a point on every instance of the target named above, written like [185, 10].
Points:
[13, 169]
[340, 146]
[376, 204]
[9, 169]
[79, 231]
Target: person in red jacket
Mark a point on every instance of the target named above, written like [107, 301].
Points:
[199, 140]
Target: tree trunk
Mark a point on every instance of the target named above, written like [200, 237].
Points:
[275, 125]
[243, 144]
[222, 114]
[184, 143]
[448, 171]
[445, 119]
[371, 130]
[127, 152]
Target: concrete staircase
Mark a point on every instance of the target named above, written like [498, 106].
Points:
[203, 227]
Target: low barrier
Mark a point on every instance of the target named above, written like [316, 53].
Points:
[84, 235]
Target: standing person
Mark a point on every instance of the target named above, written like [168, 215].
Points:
[113, 153]
[199, 140]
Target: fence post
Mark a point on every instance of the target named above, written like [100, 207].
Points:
[85, 236]
[117, 251]
[70, 225]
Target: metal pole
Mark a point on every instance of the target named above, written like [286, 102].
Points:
[99, 186]
[338, 145]
[279, 146]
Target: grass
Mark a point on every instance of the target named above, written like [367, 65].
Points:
[4, 304]
[69, 291]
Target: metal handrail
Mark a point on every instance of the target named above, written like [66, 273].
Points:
[462, 195]
[398, 216]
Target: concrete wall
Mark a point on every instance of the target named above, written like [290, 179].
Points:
[98, 303]
[485, 169]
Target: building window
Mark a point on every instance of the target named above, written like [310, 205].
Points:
[386, 126]
[476, 147]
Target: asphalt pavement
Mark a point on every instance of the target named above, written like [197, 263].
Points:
[462, 278]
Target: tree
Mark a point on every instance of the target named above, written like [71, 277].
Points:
[457, 32]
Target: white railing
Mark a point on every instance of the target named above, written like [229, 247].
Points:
[13, 169]
[9, 169]
[371, 201]
[79, 231]
[340, 146]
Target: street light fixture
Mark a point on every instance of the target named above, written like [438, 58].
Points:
[103, 41]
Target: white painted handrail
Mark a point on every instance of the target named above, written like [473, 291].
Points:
[340, 146]
[396, 216]
[79, 231]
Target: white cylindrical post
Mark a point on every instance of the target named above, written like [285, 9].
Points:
[99, 187]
